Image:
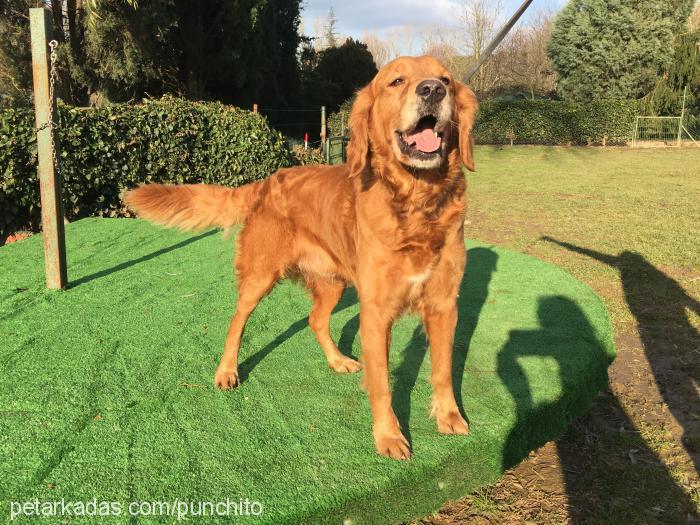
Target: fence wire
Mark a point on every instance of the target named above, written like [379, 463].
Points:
[665, 130]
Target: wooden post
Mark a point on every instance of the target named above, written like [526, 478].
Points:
[680, 124]
[255, 108]
[323, 132]
[50, 184]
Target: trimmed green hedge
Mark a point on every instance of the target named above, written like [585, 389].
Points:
[172, 140]
[103, 151]
[556, 122]
[543, 122]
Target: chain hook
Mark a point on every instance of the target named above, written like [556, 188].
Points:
[53, 45]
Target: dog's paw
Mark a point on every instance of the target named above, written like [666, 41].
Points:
[394, 446]
[226, 378]
[344, 365]
[452, 423]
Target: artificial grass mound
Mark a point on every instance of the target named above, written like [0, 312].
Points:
[106, 389]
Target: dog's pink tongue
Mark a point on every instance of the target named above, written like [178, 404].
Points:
[425, 141]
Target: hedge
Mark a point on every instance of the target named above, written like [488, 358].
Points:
[103, 151]
[172, 140]
[556, 122]
[549, 122]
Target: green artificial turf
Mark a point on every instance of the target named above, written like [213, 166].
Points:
[106, 388]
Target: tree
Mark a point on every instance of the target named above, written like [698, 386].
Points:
[382, 50]
[695, 18]
[684, 72]
[329, 32]
[614, 48]
[119, 50]
[239, 52]
[522, 59]
[15, 52]
[102, 47]
[478, 20]
[338, 73]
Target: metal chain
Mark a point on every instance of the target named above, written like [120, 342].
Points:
[52, 84]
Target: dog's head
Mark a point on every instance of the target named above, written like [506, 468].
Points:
[413, 113]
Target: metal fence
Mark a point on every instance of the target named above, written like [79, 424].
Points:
[335, 150]
[666, 131]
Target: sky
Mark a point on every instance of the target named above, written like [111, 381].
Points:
[386, 17]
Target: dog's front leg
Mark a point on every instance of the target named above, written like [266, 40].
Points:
[440, 326]
[375, 328]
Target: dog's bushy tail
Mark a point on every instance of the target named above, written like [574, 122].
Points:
[192, 206]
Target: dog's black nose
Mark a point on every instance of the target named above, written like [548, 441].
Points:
[431, 90]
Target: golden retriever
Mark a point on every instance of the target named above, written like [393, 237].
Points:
[389, 222]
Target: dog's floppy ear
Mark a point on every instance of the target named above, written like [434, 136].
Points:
[466, 107]
[358, 147]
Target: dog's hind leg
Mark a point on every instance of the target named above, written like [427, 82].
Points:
[260, 262]
[326, 295]
[250, 291]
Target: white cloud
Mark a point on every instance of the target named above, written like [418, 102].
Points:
[356, 16]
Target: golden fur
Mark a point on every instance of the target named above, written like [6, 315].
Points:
[382, 223]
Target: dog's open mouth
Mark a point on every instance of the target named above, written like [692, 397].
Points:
[423, 141]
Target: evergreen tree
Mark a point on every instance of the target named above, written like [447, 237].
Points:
[330, 34]
[124, 52]
[341, 71]
[15, 51]
[666, 98]
[614, 48]
[236, 51]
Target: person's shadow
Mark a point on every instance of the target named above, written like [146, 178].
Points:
[566, 336]
[659, 305]
[591, 473]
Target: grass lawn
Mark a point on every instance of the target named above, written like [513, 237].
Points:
[627, 222]
[106, 388]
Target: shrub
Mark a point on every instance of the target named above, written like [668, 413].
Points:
[302, 156]
[103, 151]
[338, 121]
[542, 121]
[555, 122]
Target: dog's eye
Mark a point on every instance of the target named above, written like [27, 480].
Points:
[445, 80]
[397, 82]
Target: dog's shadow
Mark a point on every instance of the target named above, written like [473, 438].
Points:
[481, 264]
[349, 332]
[472, 297]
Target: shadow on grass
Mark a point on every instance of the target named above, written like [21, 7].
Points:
[659, 305]
[348, 299]
[566, 336]
[481, 263]
[603, 484]
[127, 264]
